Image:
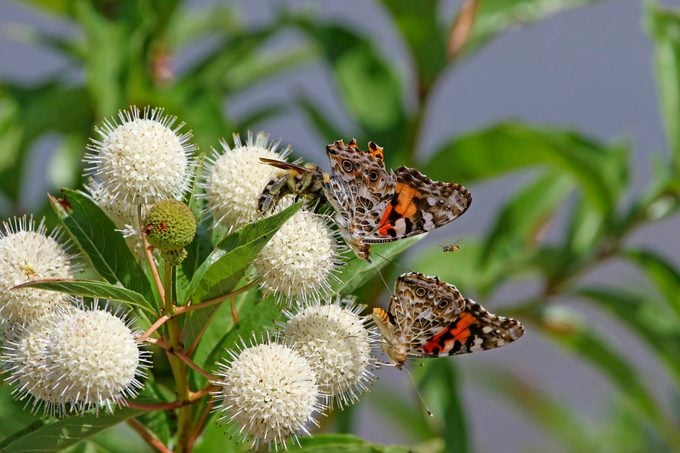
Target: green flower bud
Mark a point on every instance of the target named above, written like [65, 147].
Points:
[174, 257]
[170, 225]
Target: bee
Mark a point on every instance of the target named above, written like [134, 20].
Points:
[454, 247]
[301, 180]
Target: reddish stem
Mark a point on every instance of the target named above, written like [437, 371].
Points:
[154, 327]
[185, 358]
[148, 436]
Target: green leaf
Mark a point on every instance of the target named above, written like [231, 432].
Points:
[57, 7]
[107, 45]
[322, 443]
[419, 25]
[582, 341]
[96, 236]
[664, 26]
[586, 227]
[599, 170]
[661, 272]
[34, 111]
[159, 422]
[551, 414]
[522, 220]
[213, 439]
[58, 435]
[357, 272]
[13, 416]
[440, 383]
[93, 288]
[653, 322]
[190, 26]
[197, 252]
[324, 125]
[370, 88]
[257, 315]
[462, 268]
[498, 16]
[258, 115]
[410, 422]
[222, 270]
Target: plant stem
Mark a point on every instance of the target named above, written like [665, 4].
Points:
[154, 327]
[178, 367]
[148, 252]
[216, 300]
[148, 436]
[190, 363]
[200, 425]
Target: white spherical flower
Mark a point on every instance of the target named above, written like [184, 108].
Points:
[94, 359]
[235, 178]
[339, 343]
[24, 360]
[76, 360]
[299, 260]
[121, 212]
[142, 158]
[27, 253]
[268, 393]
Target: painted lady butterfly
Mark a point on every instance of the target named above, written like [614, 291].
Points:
[430, 318]
[373, 204]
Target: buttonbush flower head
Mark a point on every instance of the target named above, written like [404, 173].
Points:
[121, 212]
[300, 259]
[24, 361]
[27, 253]
[339, 343]
[76, 361]
[141, 158]
[268, 393]
[235, 178]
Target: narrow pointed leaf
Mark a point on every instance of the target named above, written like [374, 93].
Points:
[499, 16]
[600, 171]
[55, 436]
[96, 236]
[357, 272]
[661, 272]
[647, 317]
[663, 24]
[223, 269]
[93, 288]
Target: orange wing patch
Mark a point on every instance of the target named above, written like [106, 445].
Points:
[445, 340]
[404, 208]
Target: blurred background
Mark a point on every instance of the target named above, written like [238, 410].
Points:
[561, 116]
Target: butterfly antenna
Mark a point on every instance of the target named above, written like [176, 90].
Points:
[384, 282]
[393, 262]
[415, 387]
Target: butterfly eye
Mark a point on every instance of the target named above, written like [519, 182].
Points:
[420, 291]
[347, 165]
[430, 294]
[443, 303]
[374, 175]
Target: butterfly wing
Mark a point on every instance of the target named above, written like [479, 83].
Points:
[418, 205]
[360, 187]
[421, 308]
[475, 329]
[430, 318]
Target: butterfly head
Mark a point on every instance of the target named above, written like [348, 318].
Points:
[354, 241]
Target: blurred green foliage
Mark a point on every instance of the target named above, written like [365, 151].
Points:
[121, 55]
